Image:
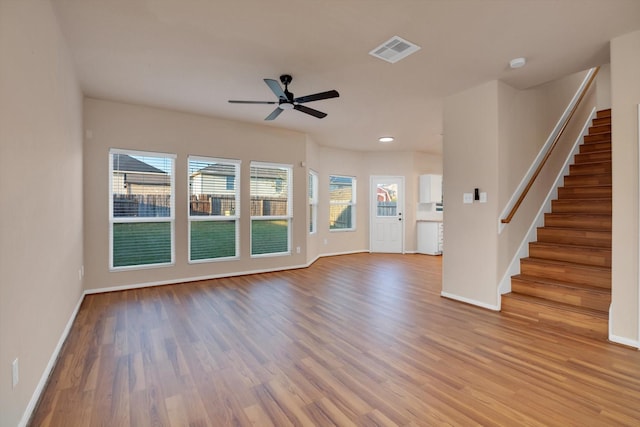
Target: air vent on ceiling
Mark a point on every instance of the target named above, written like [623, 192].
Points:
[394, 49]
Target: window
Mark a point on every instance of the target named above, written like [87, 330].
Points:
[313, 202]
[342, 202]
[141, 209]
[270, 209]
[214, 202]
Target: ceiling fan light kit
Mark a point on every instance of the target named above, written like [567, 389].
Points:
[287, 101]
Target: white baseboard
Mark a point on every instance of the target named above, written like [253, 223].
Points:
[470, 301]
[190, 279]
[624, 341]
[212, 276]
[47, 371]
[359, 251]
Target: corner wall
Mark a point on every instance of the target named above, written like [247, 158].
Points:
[41, 249]
[625, 97]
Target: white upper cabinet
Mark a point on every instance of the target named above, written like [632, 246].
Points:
[430, 188]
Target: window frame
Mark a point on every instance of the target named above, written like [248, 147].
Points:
[287, 217]
[352, 203]
[313, 202]
[208, 218]
[133, 220]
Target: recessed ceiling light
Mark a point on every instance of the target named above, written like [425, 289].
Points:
[385, 139]
[517, 63]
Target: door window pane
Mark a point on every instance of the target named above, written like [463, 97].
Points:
[387, 199]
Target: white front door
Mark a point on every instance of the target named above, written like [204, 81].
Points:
[386, 211]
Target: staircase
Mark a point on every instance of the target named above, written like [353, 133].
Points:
[566, 280]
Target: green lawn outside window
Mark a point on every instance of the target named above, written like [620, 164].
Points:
[141, 243]
[213, 239]
[269, 236]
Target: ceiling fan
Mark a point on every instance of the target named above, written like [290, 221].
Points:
[286, 101]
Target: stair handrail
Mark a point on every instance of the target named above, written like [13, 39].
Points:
[584, 88]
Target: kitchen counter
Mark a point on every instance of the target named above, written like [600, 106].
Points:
[431, 216]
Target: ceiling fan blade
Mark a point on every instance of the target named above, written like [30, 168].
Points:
[276, 88]
[275, 113]
[253, 102]
[311, 111]
[317, 96]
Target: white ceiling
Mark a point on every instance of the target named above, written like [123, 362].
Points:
[194, 55]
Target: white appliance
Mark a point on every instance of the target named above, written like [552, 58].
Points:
[430, 237]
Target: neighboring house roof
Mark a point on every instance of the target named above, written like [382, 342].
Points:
[217, 169]
[126, 163]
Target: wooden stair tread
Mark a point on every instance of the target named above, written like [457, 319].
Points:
[599, 139]
[588, 200]
[591, 248]
[550, 227]
[584, 192]
[602, 121]
[594, 161]
[593, 153]
[563, 284]
[596, 175]
[587, 180]
[575, 230]
[605, 129]
[574, 294]
[585, 267]
[578, 254]
[597, 314]
[581, 158]
[576, 214]
[586, 206]
[598, 144]
[598, 185]
[580, 236]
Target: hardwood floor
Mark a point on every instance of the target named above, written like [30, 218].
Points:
[361, 340]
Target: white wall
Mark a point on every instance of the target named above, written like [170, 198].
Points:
[625, 97]
[603, 87]
[471, 161]
[41, 190]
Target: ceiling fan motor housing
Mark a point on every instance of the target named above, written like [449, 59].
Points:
[285, 79]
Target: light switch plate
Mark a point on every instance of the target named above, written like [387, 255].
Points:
[483, 197]
[467, 197]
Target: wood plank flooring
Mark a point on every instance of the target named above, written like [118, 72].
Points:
[357, 340]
